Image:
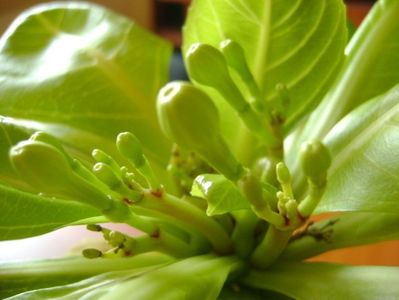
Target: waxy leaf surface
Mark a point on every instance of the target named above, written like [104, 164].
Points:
[25, 214]
[370, 69]
[86, 74]
[220, 193]
[39, 276]
[312, 281]
[298, 43]
[365, 170]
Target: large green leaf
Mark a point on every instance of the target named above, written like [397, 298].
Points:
[25, 214]
[371, 68]
[18, 277]
[196, 278]
[299, 43]
[85, 74]
[364, 172]
[347, 230]
[314, 281]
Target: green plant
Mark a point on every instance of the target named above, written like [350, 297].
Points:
[220, 174]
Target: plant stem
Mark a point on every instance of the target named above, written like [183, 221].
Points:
[271, 247]
[71, 267]
[190, 216]
[244, 233]
[163, 242]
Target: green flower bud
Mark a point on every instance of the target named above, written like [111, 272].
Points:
[315, 160]
[47, 169]
[129, 146]
[92, 253]
[206, 65]
[283, 174]
[236, 60]
[188, 117]
[41, 136]
[94, 227]
[284, 177]
[105, 173]
[116, 238]
[101, 156]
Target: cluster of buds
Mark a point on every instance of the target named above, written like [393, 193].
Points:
[282, 209]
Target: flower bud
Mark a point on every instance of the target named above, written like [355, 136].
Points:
[47, 169]
[92, 253]
[315, 160]
[130, 147]
[206, 65]
[235, 58]
[105, 173]
[283, 174]
[188, 117]
[101, 156]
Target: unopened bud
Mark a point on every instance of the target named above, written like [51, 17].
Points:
[315, 159]
[283, 174]
[91, 253]
[47, 169]
[189, 117]
[130, 147]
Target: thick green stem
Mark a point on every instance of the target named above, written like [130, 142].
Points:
[244, 233]
[271, 247]
[190, 216]
[162, 242]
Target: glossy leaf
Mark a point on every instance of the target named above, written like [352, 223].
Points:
[348, 230]
[19, 277]
[371, 68]
[25, 214]
[187, 279]
[308, 281]
[300, 45]
[364, 172]
[220, 193]
[85, 74]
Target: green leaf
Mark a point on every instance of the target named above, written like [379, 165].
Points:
[297, 43]
[371, 68]
[81, 288]
[364, 173]
[25, 214]
[308, 281]
[347, 230]
[19, 277]
[85, 74]
[220, 193]
[197, 278]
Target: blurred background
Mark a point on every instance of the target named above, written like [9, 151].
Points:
[165, 17]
